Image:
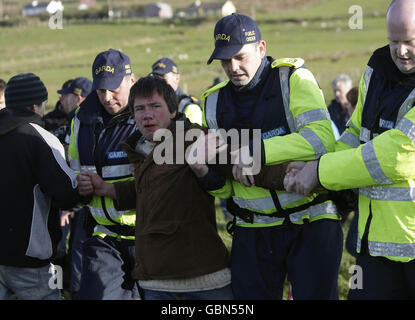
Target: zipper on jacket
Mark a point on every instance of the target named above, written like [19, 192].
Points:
[364, 246]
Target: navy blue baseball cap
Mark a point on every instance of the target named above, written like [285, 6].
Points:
[163, 66]
[80, 86]
[109, 69]
[231, 34]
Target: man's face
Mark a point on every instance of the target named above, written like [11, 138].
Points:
[69, 102]
[340, 90]
[2, 101]
[116, 100]
[241, 68]
[401, 36]
[151, 114]
[171, 78]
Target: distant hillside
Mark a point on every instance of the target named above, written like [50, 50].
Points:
[247, 6]
[14, 7]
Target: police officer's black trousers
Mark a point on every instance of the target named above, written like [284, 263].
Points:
[309, 254]
[382, 279]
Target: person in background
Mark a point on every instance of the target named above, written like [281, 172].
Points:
[339, 107]
[352, 96]
[57, 118]
[168, 70]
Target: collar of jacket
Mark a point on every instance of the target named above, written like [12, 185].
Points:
[259, 77]
[179, 92]
[10, 119]
[381, 61]
[132, 140]
[91, 111]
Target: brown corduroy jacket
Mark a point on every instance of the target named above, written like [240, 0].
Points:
[176, 235]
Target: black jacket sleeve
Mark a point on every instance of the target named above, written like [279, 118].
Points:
[55, 177]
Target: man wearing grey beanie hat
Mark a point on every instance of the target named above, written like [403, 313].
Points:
[35, 182]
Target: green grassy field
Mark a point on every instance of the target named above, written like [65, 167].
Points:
[319, 34]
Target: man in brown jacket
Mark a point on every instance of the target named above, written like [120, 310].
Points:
[178, 250]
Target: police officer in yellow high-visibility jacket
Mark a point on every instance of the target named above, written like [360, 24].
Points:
[377, 155]
[168, 70]
[277, 233]
[99, 126]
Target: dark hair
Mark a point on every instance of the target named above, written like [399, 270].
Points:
[146, 86]
[2, 85]
[352, 96]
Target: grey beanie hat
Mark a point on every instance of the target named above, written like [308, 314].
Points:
[25, 90]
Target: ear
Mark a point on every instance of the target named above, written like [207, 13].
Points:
[38, 108]
[262, 47]
[132, 79]
[173, 115]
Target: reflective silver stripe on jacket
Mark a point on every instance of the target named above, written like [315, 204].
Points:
[311, 212]
[388, 249]
[351, 124]
[314, 140]
[388, 193]
[88, 168]
[75, 163]
[115, 171]
[261, 219]
[366, 80]
[364, 134]
[372, 164]
[406, 105]
[285, 92]
[311, 116]
[210, 112]
[314, 211]
[350, 139]
[255, 204]
[109, 172]
[102, 229]
[267, 203]
[407, 127]
[113, 213]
